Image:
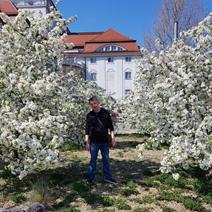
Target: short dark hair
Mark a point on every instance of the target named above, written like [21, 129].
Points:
[93, 98]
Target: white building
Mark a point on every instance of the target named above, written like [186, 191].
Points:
[109, 58]
[36, 6]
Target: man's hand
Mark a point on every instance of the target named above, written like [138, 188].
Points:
[113, 142]
[87, 147]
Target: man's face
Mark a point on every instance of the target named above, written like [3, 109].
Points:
[94, 105]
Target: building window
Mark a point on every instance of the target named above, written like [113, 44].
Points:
[128, 59]
[121, 49]
[111, 48]
[127, 75]
[127, 92]
[106, 49]
[114, 48]
[93, 76]
[109, 59]
[93, 60]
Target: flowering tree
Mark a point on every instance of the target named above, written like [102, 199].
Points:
[171, 99]
[32, 122]
[79, 91]
[39, 110]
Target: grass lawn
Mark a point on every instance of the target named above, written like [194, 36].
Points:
[140, 188]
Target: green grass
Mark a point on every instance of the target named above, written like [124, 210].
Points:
[122, 205]
[141, 210]
[70, 146]
[61, 178]
[207, 199]
[68, 198]
[81, 187]
[84, 191]
[106, 210]
[193, 179]
[168, 180]
[41, 191]
[131, 188]
[148, 199]
[167, 209]
[18, 198]
[106, 200]
[168, 196]
[150, 182]
[6, 174]
[165, 180]
[89, 198]
[192, 204]
[128, 191]
[203, 187]
[188, 202]
[69, 209]
[133, 135]
[131, 184]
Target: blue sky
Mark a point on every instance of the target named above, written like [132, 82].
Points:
[133, 18]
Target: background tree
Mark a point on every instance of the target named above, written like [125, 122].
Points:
[187, 13]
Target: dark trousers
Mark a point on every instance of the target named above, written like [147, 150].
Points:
[94, 149]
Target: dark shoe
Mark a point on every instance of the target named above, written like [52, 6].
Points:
[111, 181]
[91, 182]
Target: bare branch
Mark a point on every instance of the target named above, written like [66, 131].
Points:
[187, 13]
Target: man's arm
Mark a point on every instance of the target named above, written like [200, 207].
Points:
[110, 126]
[112, 134]
[87, 138]
[87, 141]
[110, 122]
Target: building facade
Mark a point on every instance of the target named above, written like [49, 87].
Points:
[11, 7]
[109, 58]
[36, 6]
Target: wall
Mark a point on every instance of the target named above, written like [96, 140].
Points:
[111, 75]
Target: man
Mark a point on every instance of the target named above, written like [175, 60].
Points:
[98, 123]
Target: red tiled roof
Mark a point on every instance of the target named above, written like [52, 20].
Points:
[6, 6]
[79, 39]
[100, 54]
[110, 35]
[129, 46]
[91, 41]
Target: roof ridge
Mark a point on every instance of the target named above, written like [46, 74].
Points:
[121, 37]
[8, 7]
[85, 33]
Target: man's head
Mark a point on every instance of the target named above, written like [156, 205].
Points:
[94, 103]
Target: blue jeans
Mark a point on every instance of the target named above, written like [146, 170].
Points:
[94, 149]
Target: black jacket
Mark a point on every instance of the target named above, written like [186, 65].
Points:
[97, 126]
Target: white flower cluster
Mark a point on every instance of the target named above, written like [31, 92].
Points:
[39, 111]
[172, 99]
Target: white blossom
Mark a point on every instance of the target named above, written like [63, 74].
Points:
[171, 100]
